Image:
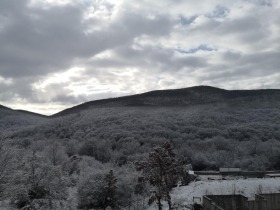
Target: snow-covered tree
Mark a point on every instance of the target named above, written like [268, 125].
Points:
[56, 154]
[7, 168]
[162, 171]
[98, 191]
[38, 180]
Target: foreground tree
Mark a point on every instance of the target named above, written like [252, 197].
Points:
[38, 181]
[98, 191]
[162, 171]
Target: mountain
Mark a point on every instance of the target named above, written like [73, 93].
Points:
[208, 128]
[211, 126]
[184, 97]
[13, 120]
[31, 113]
[3, 107]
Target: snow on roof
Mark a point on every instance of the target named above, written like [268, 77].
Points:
[273, 175]
[191, 172]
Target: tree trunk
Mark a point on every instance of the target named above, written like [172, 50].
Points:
[159, 203]
[169, 203]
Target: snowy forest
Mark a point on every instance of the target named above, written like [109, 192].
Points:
[108, 157]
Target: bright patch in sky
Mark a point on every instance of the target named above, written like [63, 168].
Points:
[56, 78]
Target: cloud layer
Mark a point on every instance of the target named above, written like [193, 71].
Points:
[55, 54]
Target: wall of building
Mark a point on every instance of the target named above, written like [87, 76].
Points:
[229, 202]
[208, 204]
[273, 201]
[258, 204]
[240, 202]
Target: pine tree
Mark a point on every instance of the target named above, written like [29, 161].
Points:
[162, 171]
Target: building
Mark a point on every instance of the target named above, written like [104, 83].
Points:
[240, 202]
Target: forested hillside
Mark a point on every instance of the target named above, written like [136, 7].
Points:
[73, 152]
[15, 120]
[211, 136]
[186, 97]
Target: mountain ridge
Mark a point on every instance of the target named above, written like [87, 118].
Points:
[213, 127]
[196, 95]
[30, 113]
[4, 107]
[176, 97]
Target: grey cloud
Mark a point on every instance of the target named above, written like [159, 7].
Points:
[231, 56]
[36, 46]
[68, 99]
[6, 93]
[160, 59]
[262, 63]
[244, 66]
[38, 41]
[191, 61]
[19, 89]
[138, 24]
[268, 3]
[248, 29]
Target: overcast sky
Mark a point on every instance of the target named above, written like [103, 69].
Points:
[58, 53]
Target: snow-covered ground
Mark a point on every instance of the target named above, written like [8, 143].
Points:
[247, 187]
[184, 195]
